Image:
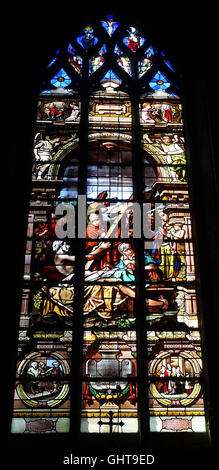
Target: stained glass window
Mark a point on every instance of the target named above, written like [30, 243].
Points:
[109, 264]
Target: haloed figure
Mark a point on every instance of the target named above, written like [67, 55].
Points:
[43, 153]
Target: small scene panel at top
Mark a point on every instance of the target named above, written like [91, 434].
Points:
[160, 113]
[59, 109]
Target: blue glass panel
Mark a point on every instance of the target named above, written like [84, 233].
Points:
[52, 62]
[149, 52]
[70, 49]
[167, 62]
[117, 50]
[110, 75]
[159, 82]
[61, 79]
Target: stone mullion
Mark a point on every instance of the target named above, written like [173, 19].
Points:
[140, 276]
[77, 342]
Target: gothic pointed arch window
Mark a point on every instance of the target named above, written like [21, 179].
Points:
[109, 323]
